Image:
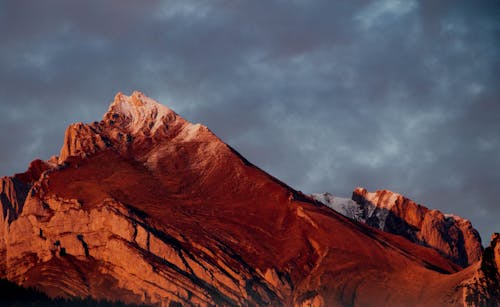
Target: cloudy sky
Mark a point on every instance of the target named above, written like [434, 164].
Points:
[325, 95]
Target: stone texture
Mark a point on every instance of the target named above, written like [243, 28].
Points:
[451, 235]
[483, 289]
[146, 207]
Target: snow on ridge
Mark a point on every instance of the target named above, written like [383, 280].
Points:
[344, 206]
[358, 212]
[377, 214]
[141, 110]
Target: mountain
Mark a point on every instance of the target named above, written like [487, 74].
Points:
[145, 207]
[452, 236]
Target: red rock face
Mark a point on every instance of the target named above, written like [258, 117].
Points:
[144, 206]
[452, 236]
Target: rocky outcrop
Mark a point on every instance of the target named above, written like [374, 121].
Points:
[12, 196]
[146, 207]
[452, 236]
[132, 126]
[153, 266]
[483, 289]
[63, 247]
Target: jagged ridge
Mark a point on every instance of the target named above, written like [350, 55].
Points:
[450, 235]
[144, 206]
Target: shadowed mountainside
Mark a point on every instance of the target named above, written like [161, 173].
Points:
[12, 295]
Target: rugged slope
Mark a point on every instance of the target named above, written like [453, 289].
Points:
[450, 235]
[144, 206]
[476, 285]
[483, 288]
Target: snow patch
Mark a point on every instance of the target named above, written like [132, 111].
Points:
[351, 209]
[345, 206]
[142, 111]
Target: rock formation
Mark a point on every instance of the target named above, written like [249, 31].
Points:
[483, 289]
[452, 236]
[146, 207]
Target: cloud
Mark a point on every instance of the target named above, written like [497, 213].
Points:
[379, 11]
[326, 96]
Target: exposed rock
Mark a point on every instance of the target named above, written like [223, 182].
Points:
[13, 193]
[452, 236]
[144, 206]
[483, 289]
[81, 139]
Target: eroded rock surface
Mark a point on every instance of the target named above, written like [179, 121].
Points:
[483, 289]
[144, 206]
[451, 235]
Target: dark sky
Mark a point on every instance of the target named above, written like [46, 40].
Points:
[400, 95]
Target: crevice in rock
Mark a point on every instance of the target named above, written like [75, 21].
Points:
[84, 245]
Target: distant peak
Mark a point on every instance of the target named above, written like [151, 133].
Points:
[391, 212]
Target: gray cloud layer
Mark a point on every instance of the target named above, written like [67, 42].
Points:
[327, 96]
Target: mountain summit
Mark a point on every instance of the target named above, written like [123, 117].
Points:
[131, 125]
[139, 113]
[145, 207]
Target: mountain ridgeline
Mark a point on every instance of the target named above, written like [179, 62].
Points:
[452, 236]
[144, 207]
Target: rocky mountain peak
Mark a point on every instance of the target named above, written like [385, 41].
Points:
[133, 126]
[451, 235]
[138, 112]
[145, 207]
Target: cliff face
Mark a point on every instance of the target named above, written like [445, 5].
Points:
[14, 190]
[12, 196]
[113, 251]
[144, 206]
[13, 193]
[452, 236]
[68, 228]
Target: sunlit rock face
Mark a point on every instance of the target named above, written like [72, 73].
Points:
[146, 207]
[452, 236]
